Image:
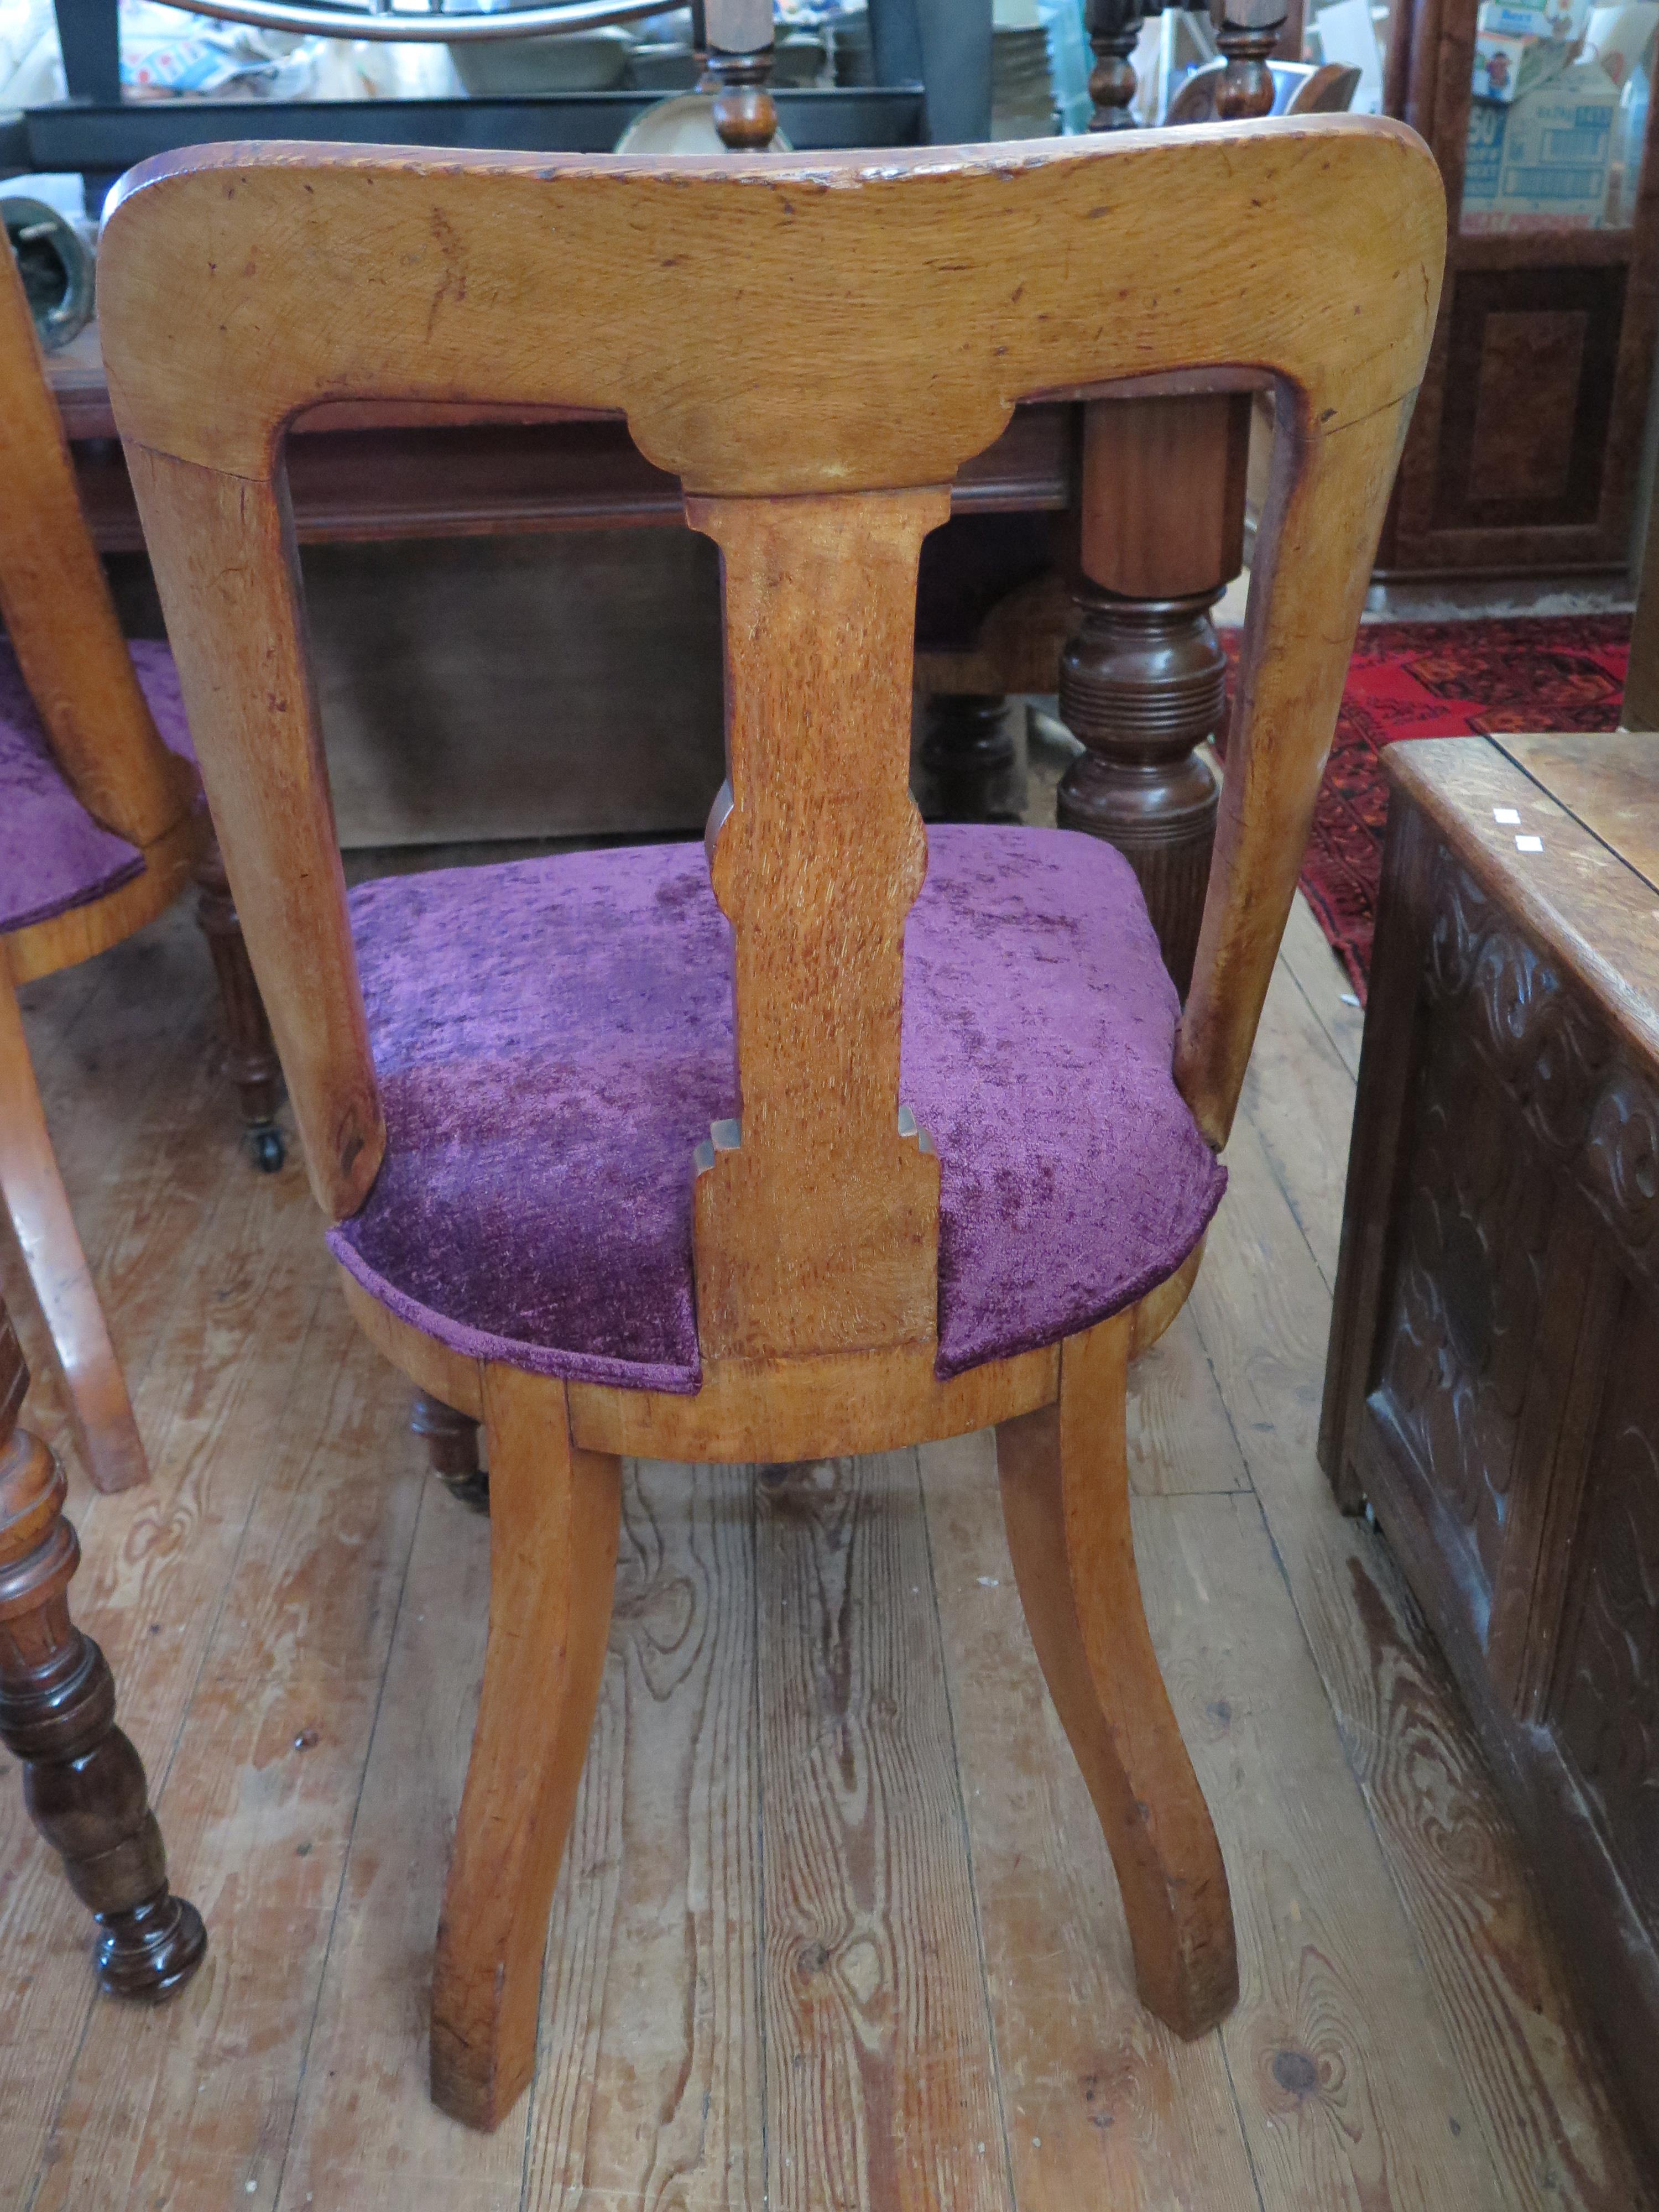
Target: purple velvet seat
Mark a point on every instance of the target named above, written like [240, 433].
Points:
[52, 854]
[553, 1038]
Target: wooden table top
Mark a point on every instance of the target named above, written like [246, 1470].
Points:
[376, 469]
[1590, 889]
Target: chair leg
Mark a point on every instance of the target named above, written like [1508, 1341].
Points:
[105, 1434]
[1065, 1501]
[251, 1060]
[556, 1515]
[452, 1446]
[83, 1782]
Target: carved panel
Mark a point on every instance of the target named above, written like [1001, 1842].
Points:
[1598, 1117]
[1605, 1715]
[1463, 1312]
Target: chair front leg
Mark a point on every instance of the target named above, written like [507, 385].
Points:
[1065, 1480]
[105, 1433]
[556, 1515]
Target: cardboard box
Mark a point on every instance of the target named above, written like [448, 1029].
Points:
[1506, 67]
[1541, 163]
[1560, 19]
[1620, 39]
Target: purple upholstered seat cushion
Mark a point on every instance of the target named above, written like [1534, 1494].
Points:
[553, 1038]
[52, 854]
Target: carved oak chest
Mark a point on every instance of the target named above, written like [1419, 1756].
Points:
[1493, 1380]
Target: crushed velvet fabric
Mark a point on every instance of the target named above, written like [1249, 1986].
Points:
[52, 854]
[553, 1038]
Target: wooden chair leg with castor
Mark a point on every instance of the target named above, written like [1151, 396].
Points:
[105, 1433]
[1065, 1482]
[452, 1445]
[83, 1782]
[250, 1057]
[555, 1518]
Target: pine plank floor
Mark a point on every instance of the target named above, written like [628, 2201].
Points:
[838, 1931]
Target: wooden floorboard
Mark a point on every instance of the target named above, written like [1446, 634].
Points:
[651, 2089]
[1501, 1992]
[880, 2070]
[836, 1912]
[1104, 2106]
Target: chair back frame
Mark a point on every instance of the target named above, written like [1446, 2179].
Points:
[814, 344]
[58, 615]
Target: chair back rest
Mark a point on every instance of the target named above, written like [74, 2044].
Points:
[56, 603]
[815, 344]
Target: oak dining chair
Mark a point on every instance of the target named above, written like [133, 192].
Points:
[827, 1136]
[102, 827]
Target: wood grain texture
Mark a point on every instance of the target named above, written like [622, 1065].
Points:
[960, 263]
[1348, 2093]
[366, 2136]
[107, 1435]
[184, 309]
[1180, 1438]
[1163, 494]
[1102, 2104]
[818, 1231]
[223, 550]
[1608, 782]
[262, 1801]
[58, 615]
[247, 1364]
[881, 2082]
[1599, 921]
[555, 1514]
[649, 2088]
[157, 1560]
[1500, 1994]
[1065, 1482]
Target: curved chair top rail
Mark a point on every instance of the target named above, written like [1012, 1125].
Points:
[814, 345]
[56, 606]
[773, 324]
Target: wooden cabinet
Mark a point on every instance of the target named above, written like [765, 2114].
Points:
[1493, 1381]
[1524, 451]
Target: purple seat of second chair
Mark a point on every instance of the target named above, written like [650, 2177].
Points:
[53, 855]
[553, 1038]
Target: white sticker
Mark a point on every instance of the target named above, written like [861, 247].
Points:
[1505, 814]
[1529, 844]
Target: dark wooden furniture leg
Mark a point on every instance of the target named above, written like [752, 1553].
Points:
[251, 1058]
[83, 1782]
[967, 752]
[1143, 680]
[452, 1444]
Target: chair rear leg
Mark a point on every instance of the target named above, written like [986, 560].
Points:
[105, 1433]
[1064, 1481]
[556, 1515]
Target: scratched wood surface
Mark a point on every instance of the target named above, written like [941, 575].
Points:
[836, 1911]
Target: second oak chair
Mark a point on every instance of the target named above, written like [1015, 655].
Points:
[839, 1138]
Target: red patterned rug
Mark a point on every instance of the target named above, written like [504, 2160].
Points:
[1441, 680]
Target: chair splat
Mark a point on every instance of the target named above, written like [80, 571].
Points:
[818, 1231]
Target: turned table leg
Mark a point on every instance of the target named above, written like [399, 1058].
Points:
[251, 1060]
[83, 1782]
[452, 1445]
[968, 752]
[1143, 680]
